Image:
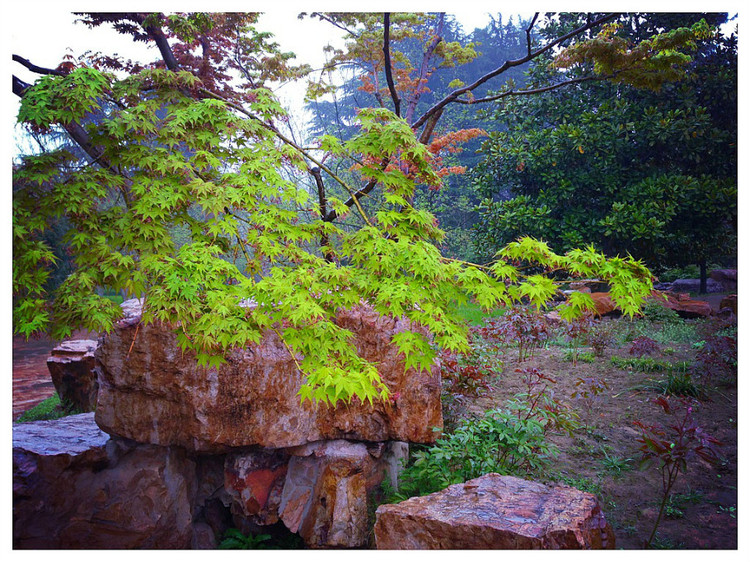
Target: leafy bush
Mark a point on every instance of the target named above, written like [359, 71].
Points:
[464, 377]
[657, 313]
[575, 355]
[676, 384]
[643, 346]
[498, 442]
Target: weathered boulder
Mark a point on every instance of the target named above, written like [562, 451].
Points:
[152, 392]
[254, 481]
[729, 302]
[75, 488]
[604, 304]
[727, 278]
[71, 365]
[682, 304]
[328, 487]
[694, 286]
[495, 512]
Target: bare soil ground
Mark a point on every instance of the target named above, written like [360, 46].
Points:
[602, 456]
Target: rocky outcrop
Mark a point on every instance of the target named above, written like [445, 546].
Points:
[328, 489]
[152, 392]
[495, 512]
[694, 286]
[75, 488]
[682, 304]
[727, 278]
[604, 304]
[71, 366]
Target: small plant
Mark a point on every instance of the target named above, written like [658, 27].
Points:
[464, 377]
[234, 539]
[520, 327]
[671, 448]
[672, 511]
[717, 360]
[600, 337]
[731, 511]
[588, 390]
[539, 402]
[676, 384]
[613, 464]
[668, 351]
[575, 355]
[643, 345]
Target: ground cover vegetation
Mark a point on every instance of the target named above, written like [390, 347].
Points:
[657, 444]
[176, 181]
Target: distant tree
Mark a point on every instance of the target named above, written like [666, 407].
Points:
[650, 171]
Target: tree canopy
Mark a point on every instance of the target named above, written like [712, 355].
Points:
[190, 194]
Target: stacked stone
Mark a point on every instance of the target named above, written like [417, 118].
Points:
[176, 453]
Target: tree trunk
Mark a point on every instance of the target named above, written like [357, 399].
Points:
[704, 276]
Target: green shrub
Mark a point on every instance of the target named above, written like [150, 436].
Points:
[649, 364]
[575, 355]
[498, 442]
[657, 313]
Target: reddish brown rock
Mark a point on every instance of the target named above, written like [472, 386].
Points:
[71, 365]
[603, 303]
[74, 488]
[729, 302]
[255, 481]
[327, 490]
[152, 392]
[682, 304]
[495, 512]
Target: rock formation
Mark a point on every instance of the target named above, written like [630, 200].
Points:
[71, 366]
[495, 512]
[152, 392]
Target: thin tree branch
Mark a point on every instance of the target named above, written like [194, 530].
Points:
[38, 69]
[528, 32]
[424, 67]
[536, 90]
[508, 64]
[387, 63]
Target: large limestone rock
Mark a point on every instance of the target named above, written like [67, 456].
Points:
[152, 392]
[75, 488]
[495, 512]
[694, 286]
[71, 365]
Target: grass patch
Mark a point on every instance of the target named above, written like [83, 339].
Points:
[49, 409]
[117, 299]
[650, 365]
[474, 314]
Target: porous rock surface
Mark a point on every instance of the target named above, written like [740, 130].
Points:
[75, 488]
[71, 366]
[152, 392]
[495, 512]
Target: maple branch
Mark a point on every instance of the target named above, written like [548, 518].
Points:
[387, 64]
[425, 65]
[333, 22]
[508, 64]
[536, 90]
[156, 33]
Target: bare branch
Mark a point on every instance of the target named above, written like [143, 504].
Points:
[38, 69]
[528, 32]
[333, 22]
[387, 64]
[536, 90]
[454, 95]
[425, 66]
